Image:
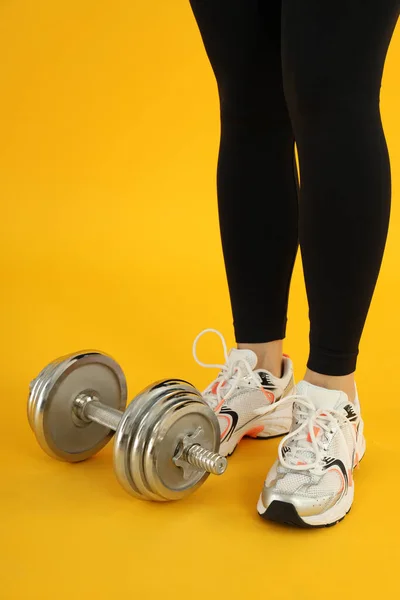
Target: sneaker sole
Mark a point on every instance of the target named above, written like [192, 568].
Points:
[283, 512]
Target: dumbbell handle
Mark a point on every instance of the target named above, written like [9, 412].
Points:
[103, 414]
[90, 408]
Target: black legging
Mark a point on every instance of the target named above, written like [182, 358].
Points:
[310, 71]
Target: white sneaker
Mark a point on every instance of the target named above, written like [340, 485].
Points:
[246, 400]
[311, 483]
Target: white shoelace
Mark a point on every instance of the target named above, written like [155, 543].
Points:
[322, 418]
[232, 371]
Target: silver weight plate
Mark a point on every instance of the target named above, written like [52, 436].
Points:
[182, 418]
[126, 439]
[51, 398]
[143, 433]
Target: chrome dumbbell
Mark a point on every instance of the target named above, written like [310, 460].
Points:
[166, 442]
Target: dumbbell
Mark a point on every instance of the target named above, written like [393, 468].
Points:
[166, 442]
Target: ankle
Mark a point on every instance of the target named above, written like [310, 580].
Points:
[344, 383]
[269, 355]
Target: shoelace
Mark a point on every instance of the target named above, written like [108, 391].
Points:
[323, 419]
[231, 371]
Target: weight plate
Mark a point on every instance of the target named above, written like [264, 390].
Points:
[185, 417]
[123, 442]
[126, 444]
[144, 431]
[51, 398]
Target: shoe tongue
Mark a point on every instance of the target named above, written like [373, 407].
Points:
[321, 397]
[249, 356]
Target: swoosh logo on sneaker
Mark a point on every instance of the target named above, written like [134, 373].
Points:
[228, 420]
[336, 462]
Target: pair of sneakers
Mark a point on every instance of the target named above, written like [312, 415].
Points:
[311, 483]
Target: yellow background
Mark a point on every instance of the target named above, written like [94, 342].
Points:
[109, 239]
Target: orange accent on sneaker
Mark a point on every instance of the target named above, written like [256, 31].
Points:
[255, 431]
[220, 403]
[341, 475]
[269, 396]
[214, 391]
[316, 432]
[350, 477]
[214, 388]
[228, 420]
[286, 355]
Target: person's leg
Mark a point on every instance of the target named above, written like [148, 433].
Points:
[257, 193]
[333, 57]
